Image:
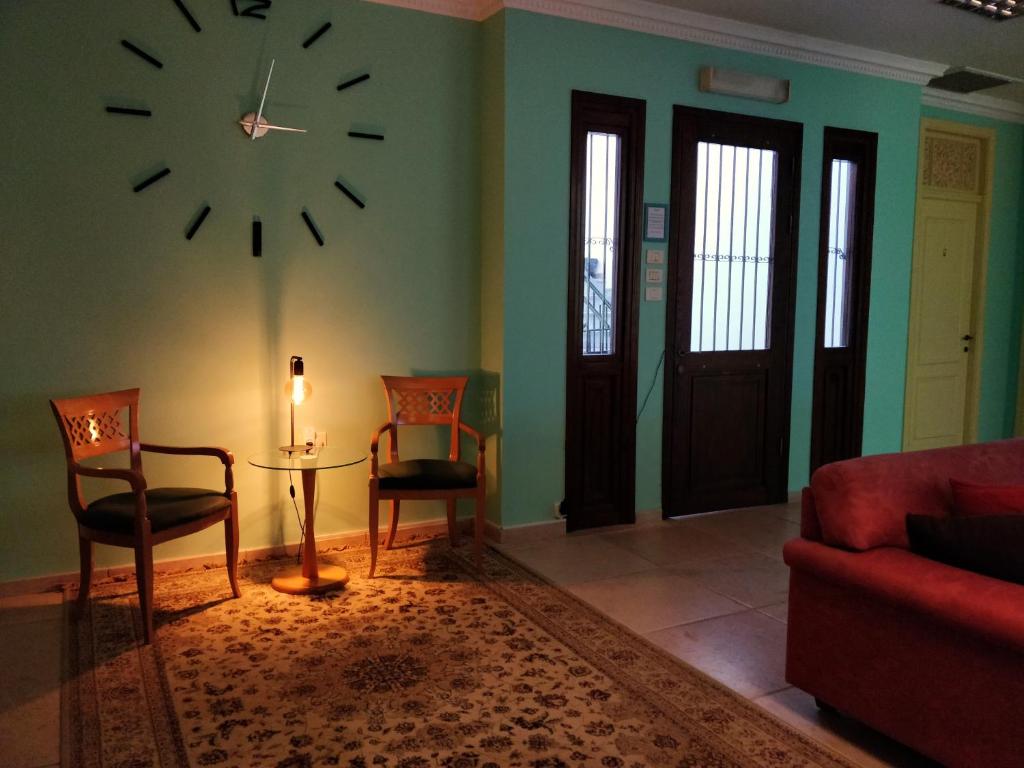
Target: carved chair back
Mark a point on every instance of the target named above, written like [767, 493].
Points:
[93, 425]
[423, 401]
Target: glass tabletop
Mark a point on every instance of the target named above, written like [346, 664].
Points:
[329, 457]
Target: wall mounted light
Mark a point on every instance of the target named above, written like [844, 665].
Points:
[744, 85]
[298, 391]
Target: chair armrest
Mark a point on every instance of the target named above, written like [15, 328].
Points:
[375, 444]
[226, 457]
[481, 447]
[130, 476]
[481, 442]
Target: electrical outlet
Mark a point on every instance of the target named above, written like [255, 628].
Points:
[320, 439]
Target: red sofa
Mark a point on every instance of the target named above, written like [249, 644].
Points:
[926, 653]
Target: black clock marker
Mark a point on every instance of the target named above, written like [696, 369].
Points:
[348, 193]
[151, 180]
[253, 10]
[129, 111]
[187, 15]
[353, 81]
[257, 238]
[142, 54]
[312, 228]
[197, 223]
[316, 35]
[361, 135]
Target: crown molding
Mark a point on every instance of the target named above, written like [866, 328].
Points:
[975, 104]
[677, 23]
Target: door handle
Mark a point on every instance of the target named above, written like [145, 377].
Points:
[966, 337]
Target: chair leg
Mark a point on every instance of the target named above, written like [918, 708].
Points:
[393, 528]
[453, 533]
[85, 577]
[231, 545]
[374, 529]
[144, 583]
[478, 525]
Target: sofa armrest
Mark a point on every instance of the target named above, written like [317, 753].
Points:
[973, 603]
[810, 526]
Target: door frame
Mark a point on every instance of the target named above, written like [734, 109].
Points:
[597, 111]
[845, 143]
[679, 250]
[979, 280]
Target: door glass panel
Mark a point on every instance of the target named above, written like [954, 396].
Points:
[732, 248]
[604, 154]
[840, 243]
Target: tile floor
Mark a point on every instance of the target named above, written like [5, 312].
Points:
[711, 589]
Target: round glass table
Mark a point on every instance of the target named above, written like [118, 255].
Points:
[309, 578]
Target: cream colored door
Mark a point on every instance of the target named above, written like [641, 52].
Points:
[940, 324]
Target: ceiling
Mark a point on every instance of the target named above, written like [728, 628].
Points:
[919, 29]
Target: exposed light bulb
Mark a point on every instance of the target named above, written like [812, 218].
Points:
[298, 389]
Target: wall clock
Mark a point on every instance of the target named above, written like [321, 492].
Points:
[255, 122]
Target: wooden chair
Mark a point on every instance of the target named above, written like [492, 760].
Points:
[92, 426]
[416, 400]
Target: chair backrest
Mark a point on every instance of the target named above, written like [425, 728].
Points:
[93, 425]
[426, 400]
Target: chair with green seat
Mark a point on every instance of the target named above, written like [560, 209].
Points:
[144, 517]
[424, 401]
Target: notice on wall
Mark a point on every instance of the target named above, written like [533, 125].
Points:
[655, 221]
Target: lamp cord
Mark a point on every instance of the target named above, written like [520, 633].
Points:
[298, 517]
[650, 389]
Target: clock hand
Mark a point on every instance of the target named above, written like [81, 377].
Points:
[263, 100]
[250, 124]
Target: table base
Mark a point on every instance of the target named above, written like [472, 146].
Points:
[292, 582]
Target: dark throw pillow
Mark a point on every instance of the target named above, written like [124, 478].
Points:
[991, 545]
[973, 500]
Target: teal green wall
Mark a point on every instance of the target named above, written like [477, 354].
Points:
[100, 290]
[549, 57]
[1004, 294]
[457, 264]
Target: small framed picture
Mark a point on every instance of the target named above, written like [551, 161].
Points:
[655, 222]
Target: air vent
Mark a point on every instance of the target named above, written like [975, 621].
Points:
[968, 80]
[996, 10]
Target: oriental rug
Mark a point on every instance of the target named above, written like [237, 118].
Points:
[429, 665]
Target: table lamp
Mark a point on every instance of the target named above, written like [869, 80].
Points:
[298, 389]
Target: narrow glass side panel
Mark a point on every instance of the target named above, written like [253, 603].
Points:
[601, 244]
[840, 249]
[732, 248]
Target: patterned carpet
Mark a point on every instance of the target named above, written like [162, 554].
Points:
[425, 666]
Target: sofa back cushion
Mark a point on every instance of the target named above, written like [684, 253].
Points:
[863, 503]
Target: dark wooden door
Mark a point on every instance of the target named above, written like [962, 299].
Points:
[606, 183]
[844, 282]
[729, 335]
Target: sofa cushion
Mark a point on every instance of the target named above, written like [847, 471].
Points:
[862, 503]
[977, 605]
[972, 499]
[989, 544]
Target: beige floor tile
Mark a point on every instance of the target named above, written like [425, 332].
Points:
[674, 543]
[790, 512]
[752, 579]
[30, 694]
[652, 600]
[779, 612]
[573, 559]
[755, 528]
[39, 606]
[745, 651]
[860, 744]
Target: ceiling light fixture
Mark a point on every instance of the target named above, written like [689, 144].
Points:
[996, 10]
